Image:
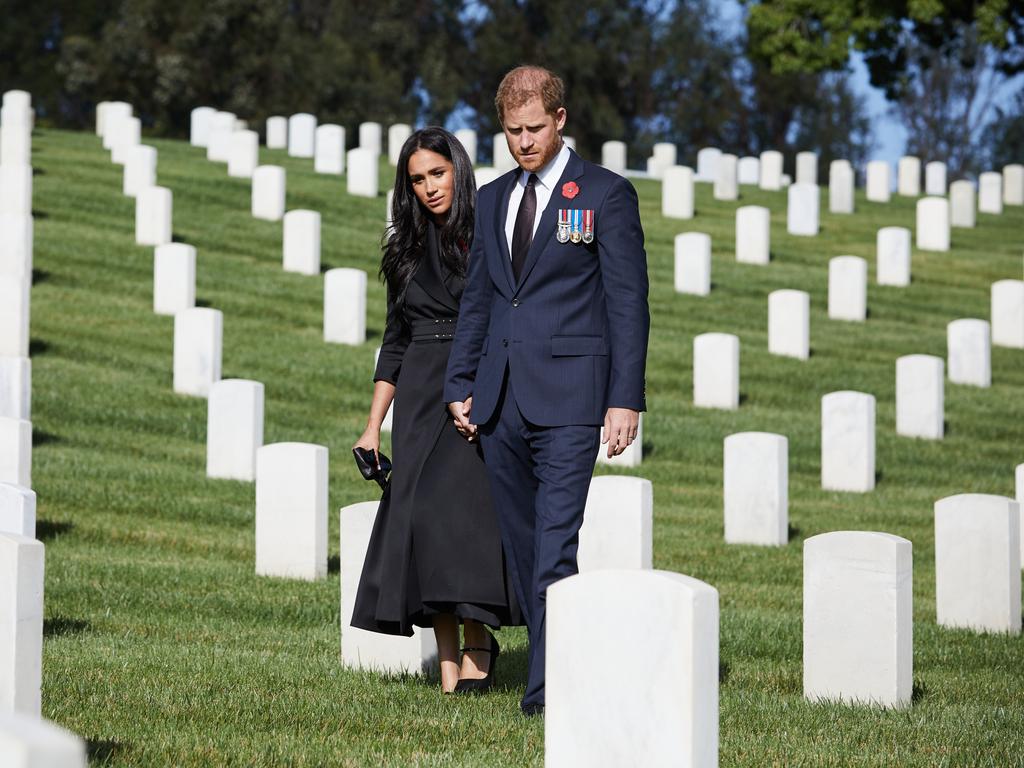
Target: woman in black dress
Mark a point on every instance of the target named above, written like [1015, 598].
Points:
[435, 556]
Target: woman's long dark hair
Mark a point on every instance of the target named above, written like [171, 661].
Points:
[405, 239]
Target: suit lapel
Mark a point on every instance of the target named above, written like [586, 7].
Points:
[430, 273]
[501, 211]
[546, 229]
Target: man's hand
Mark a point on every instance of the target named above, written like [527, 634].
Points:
[460, 413]
[620, 426]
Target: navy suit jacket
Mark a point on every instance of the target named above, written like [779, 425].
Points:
[573, 330]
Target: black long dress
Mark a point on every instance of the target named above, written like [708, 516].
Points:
[435, 546]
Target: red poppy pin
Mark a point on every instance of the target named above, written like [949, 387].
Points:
[570, 190]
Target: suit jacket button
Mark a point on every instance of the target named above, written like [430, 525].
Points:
[515, 302]
[504, 342]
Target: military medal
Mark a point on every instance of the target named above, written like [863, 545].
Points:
[588, 225]
[577, 225]
[563, 225]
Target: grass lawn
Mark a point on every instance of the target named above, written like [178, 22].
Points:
[162, 647]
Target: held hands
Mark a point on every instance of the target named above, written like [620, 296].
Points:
[370, 440]
[460, 414]
[620, 426]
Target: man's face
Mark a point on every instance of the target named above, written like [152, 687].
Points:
[533, 134]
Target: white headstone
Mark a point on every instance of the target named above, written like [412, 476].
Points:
[920, 398]
[707, 163]
[802, 210]
[935, 179]
[127, 134]
[17, 98]
[14, 315]
[397, 135]
[139, 170]
[753, 234]
[502, 158]
[663, 156]
[977, 562]
[693, 263]
[15, 137]
[234, 429]
[16, 189]
[1019, 475]
[21, 624]
[485, 174]
[27, 741]
[301, 247]
[106, 119]
[748, 170]
[199, 126]
[363, 172]
[244, 154]
[771, 170]
[848, 288]
[716, 371]
[666, 699]
[786, 180]
[858, 627]
[789, 323]
[277, 132]
[848, 442]
[879, 184]
[908, 176]
[756, 482]
[153, 213]
[969, 350]
[631, 457]
[345, 306]
[198, 340]
[617, 524]
[268, 187]
[726, 182]
[570, 142]
[892, 248]
[677, 192]
[613, 156]
[371, 137]
[174, 278]
[467, 137]
[840, 187]
[16, 388]
[16, 244]
[302, 135]
[1008, 313]
[933, 224]
[16, 451]
[360, 648]
[807, 168]
[291, 511]
[17, 510]
[990, 192]
[1013, 184]
[218, 146]
[330, 149]
[962, 204]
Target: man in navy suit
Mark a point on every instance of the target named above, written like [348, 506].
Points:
[551, 341]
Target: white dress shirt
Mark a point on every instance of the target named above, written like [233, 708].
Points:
[547, 178]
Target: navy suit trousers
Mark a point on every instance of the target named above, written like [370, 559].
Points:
[540, 477]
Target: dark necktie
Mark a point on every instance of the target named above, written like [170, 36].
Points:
[522, 234]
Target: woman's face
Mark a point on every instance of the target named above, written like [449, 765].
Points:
[433, 181]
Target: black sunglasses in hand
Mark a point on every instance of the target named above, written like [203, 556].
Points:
[367, 460]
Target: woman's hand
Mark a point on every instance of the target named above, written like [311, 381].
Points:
[370, 440]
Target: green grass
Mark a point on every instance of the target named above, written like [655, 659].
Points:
[163, 648]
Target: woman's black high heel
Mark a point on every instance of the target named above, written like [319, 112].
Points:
[483, 684]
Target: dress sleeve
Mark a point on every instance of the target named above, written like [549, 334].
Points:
[393, 345]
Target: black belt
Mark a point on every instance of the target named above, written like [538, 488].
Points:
[441, 329]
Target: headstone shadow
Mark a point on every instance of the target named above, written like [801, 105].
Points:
[334, 564]
[60, 626]
[42, 437]
[39, 276]
[51, 529]
[38, 347]
[102, 751]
